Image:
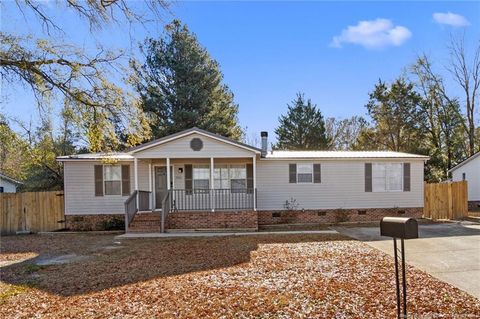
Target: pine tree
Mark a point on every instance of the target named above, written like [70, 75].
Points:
[397, 117]
[181, 86]
[302, 128]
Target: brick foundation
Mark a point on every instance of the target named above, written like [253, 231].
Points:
[331, 216]
[95, 222]
[213, 220]
[245, 220]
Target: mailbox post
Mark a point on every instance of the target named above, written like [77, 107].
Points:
[403, 228]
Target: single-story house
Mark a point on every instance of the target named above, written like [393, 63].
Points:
[8, 184]
[469, 170]
[195, 179]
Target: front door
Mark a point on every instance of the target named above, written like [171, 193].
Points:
[160, 185]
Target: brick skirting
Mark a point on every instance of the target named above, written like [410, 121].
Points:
[331, 216]
[95, 222]
[246, 220]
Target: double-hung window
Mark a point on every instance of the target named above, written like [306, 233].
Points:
[238, 178]
[201, 177]
[304, 173]
[112, 176]
[233, 177]
[387, 177]
[221, 177]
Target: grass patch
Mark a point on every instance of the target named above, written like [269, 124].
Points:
[32, 268]
[10, 291]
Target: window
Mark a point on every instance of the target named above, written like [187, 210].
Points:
[112, 176]
[387, 177]
[304, 173]
[221, 177]
[238, 178]
[464, 176]
[201, 177]
[1, 189]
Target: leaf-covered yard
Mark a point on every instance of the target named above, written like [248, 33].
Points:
[263, 276]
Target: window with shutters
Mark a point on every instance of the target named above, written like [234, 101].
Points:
[304, 173]
[387, 177]
[112, 177]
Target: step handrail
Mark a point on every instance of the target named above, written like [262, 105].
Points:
[130, 209]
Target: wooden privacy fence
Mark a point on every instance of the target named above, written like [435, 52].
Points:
[35, 211]
[446, 200]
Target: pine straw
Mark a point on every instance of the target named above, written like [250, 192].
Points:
[293, 276]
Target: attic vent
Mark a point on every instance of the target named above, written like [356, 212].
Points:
[196, 144]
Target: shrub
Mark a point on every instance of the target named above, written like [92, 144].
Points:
[114, 224]
[291, 204]
[341, 216]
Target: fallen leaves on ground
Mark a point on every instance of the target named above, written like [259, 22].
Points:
[264, 276]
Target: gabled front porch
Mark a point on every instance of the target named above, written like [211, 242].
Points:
[182, 186]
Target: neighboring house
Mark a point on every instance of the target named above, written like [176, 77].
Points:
[8, 184]
[469, 170]
[216, 182]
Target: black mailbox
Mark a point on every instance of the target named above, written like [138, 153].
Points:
[399, 227]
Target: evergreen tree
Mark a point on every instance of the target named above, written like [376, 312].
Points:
[397, 117]
[181, 86]
[302, 128]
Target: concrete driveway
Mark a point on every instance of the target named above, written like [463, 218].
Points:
[449, 252]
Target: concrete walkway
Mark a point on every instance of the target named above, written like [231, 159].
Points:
[449, 252]
[219, 234]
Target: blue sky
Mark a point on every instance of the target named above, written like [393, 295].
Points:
[269, 51]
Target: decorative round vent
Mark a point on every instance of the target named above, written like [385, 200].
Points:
[196, 144]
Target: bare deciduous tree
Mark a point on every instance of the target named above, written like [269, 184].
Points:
[57, 70]
[467, 75]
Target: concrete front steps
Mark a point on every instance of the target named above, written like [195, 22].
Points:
[145, 223]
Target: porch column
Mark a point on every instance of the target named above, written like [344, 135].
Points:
[135, 178]
[168, 173]
[150, 184]
[212, 196]
[254, 183]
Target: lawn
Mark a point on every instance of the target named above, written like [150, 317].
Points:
[262, 276]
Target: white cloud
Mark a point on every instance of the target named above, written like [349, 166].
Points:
[452, 19]
[373, 34]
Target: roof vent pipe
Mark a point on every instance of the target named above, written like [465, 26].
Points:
[264, 136]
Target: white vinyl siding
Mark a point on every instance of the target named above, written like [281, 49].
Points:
[387, 177]
[180, 148]
[8, 187]
[342, 186]
[80, 196]
[471, 170]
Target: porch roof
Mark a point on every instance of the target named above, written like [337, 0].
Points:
[193, 130]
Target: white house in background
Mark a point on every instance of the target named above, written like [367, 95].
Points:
[469, 170]
[195, 179]
[8, 184]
